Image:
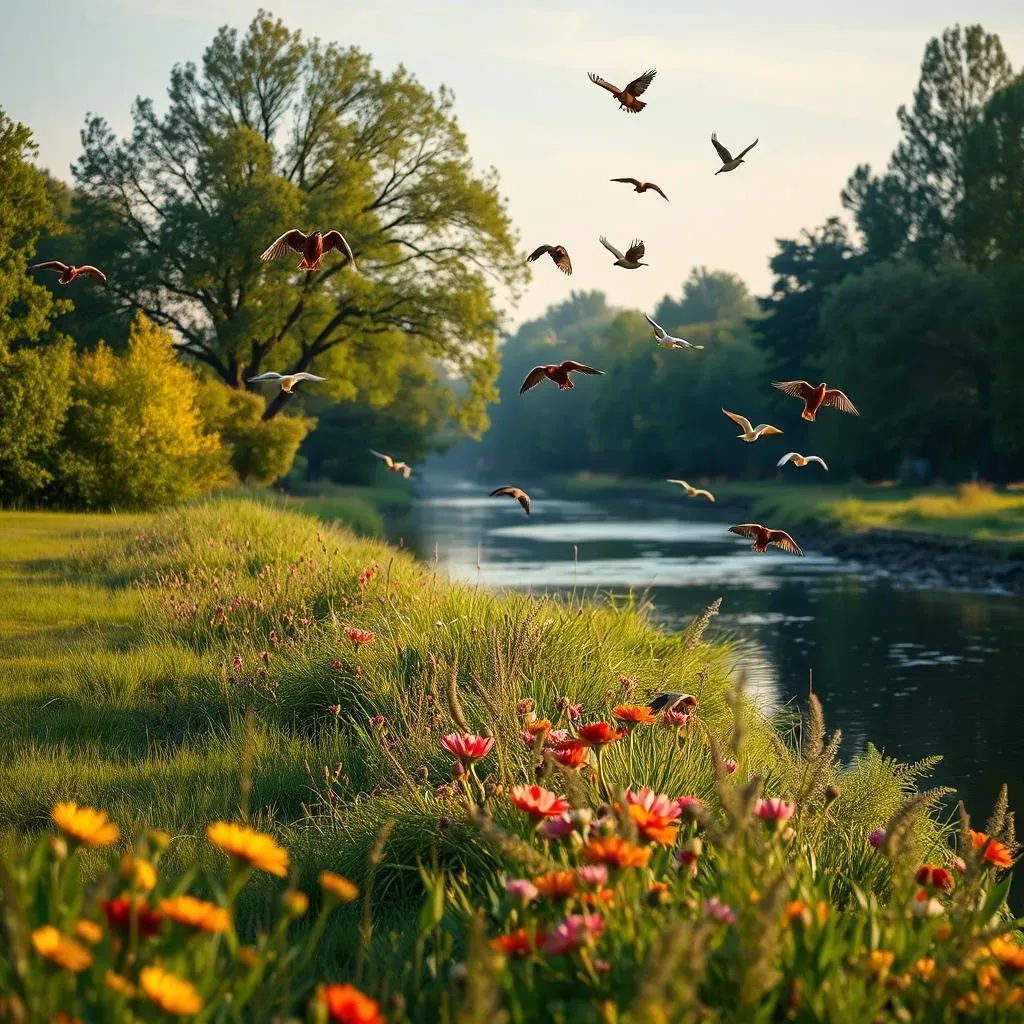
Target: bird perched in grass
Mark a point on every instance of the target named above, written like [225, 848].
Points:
[396, 467]
[666, 340]
[634, 254]
[514, 492]
[69, 273]
[557, 253]
[672, 701]
[762, 537]
[815, 398]
[751, 433]
[628, 97]
[692, 492]
[312, 247]
[642, 186]
[559, 373]
[288, 380]
[801, 460]
[729, 162]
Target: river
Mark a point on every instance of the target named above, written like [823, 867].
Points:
[916, 672]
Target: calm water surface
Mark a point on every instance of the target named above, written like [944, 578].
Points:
[916, 672]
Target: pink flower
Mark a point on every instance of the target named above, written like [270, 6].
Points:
[730, 764]
[557, 828]
[656, 803]
[467, 747]
[719, 911]
[521, 889]
[336, 665]
[876, 837]
[335, 709]
[593, 874]
[538, 801]
[572, 933]
[237, 662]
[360, 636]
[690, 805]
[957, 863]
[575, 712]
[775, 811]
[377, 720]
[557, 735]
[674, 718]
[687, 857]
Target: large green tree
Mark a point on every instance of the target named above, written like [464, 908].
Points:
[271, 132]
[708, 296]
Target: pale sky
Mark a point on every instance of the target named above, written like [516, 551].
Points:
[818, 82]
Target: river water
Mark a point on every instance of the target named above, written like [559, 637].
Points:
[916, 672]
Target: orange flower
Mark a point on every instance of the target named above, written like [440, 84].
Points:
[556, 885]
[598, 734]
[635, 714]
[925, 967]
[615, 852]
[347, 1005]
[600, 897]
[88, 930]
[171, 993]
[520, 943]
[338, 887]
[571, 753]
[1006, 951]
[259, 849]
[85, 824]
[655, 827]
[198, 914]
[996, 853]
[538, 801]
[797, 910]
[989, 978]
[61, 950]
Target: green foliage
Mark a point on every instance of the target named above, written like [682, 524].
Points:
[708, 296]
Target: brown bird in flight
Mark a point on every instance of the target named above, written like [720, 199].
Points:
[559, 373]
[642, 186]
[815, 398]
[692, 492]
[762, 537]
[68, 274]
[557, 253]
[396, 467]
[514, 492]
[312, 247]
[729, 162]
[628, 97]
[751, 433]
[634, 254]
[672, 701]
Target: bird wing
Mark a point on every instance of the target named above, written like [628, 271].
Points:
[628, 181]
[834, 399]
[570, 366]
[636, 251]
[404, 468]
[697, 492]
[336, 240]
[659, 331]
[533, 378]
[269, 375]
[307, 376]
[293, 240]
[538, 252]
[656, 188]
[747, 150]
[819, 460]
[682, 483]
[598, 80]
[524, 499]
[766, 430]
[561, 257]
[783, 540]
[388, 461]
[741, 421]
[611, 248]
[725, 155]
[90, 271]
[639, 85]
[51, 265]
[786, 458]
[794, 388]
[750, 530]
[514, 492]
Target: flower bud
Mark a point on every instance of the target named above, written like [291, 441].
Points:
[295, 902]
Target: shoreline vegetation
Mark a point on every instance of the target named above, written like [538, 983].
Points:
[481, 764]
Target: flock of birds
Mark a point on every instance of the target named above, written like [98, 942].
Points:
[312, 247]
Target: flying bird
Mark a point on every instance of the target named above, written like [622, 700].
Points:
[514, 492]
[815, 398]
[729, 162]
[557, 253]
[801, 460]
[762, 537]
[312, 247]
[642, 186]
[634, 254]
[692, 492]
[559, 373]
[288, 380]
[751, 433]
[628, 97]
[666, 340]
[396, 467]
[68, 273]
[671, 701]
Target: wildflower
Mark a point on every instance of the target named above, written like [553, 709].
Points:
[121, 910]
[615, 852]
[719, 912]
[934, 877]
[574, 711]
[236, 661]
[634, 714]
[521, 889]
[876, 837]
[558, 827]
[879, 961]
[61, 949]
[556, 885]
[925, 905]
[656, 803]
[600, 897]
[1007, 952]
[338, 887]
[688, 856]
[525, 706]
[171, 993]
[466, 746]
[88, 930]
[295, 902]
[529, 734]
[361, 636]
[519, 943]
[956, 863]
[797, 910]
[336, 665]
[996, 853]
[657, 893]
[674, 719]
[571, 753]
[257, 848]
[85, 824]
[598, 734]
[139, 873]
[377, 720]
[989, 978]
[774, 811]
[538, 802]
[691, 806]
[573, 932]
[655, 827]
[925, 967]
[119, 983]
[730, 764]
[195, 913]
[593, 874]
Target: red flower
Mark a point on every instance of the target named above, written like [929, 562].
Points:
[467, 747]
[520, 943]
[597, 734]
[996, 853]
[934, 876]
[571, 753]
[539, 802]
[119, 916]
[347, 1005]
[655, 827]
[360, 636]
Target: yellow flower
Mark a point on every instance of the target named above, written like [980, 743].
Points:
[119, 983]
[259, 849]
[925, 967]
[337, 886]
[296, 903]
[58, 948]
[989, 978]
[187, 910]
[1004, 949]
[85, 824]
[171, 993]
[880, 960]
[88, 930]
[138, 872]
